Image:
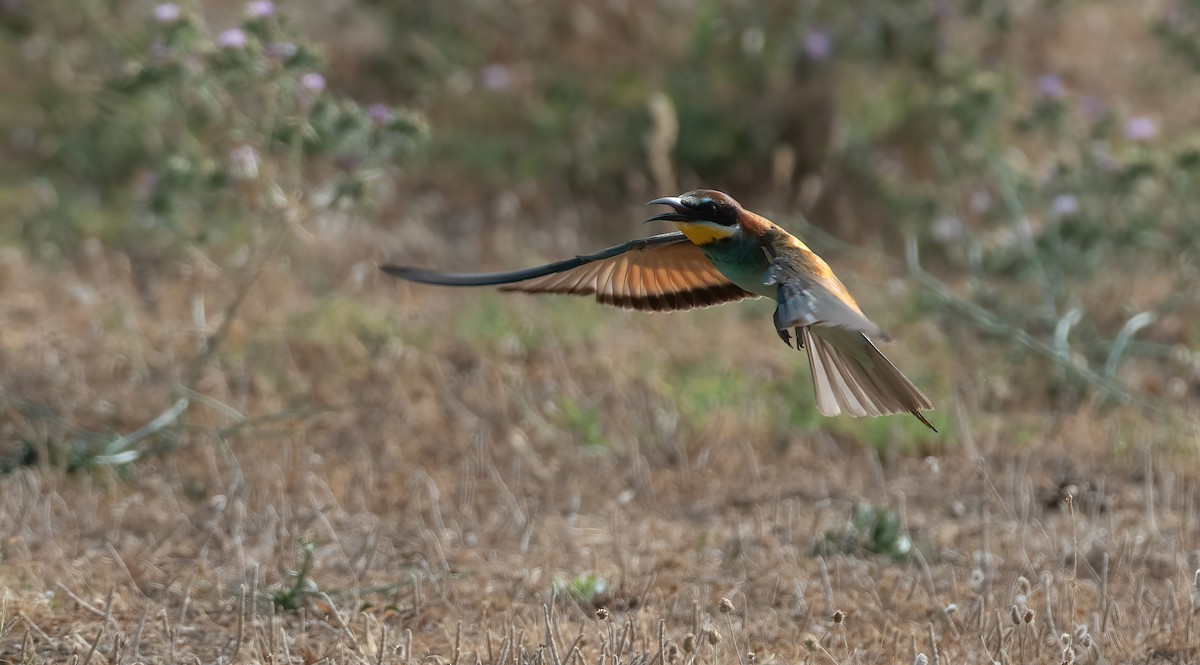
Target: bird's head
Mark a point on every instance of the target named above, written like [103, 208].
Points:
[704, 215]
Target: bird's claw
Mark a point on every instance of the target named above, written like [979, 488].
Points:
[787, 338]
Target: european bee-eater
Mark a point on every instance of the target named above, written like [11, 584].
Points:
[722, 253]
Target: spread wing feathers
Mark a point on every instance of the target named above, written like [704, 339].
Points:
[661, 273]
[806, 298]
[851, 375]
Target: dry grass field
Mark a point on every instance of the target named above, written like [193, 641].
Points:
[264, 451]
[460, 464]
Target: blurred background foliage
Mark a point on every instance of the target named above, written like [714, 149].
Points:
[148, 129]
[1037, 185]
[205, 377]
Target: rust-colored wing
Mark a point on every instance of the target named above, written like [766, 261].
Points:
[660, 273]
[810, 294]
[850, 374]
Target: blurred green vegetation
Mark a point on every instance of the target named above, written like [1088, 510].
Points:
[586, 422]
[870, 530]
[148, 129]
[588, 590]
[301, 588]
[1027, 198]
[336, 322]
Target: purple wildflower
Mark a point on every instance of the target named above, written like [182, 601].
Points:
[168, 12]
[1050, 87]
[313, 82]
[347, 162]
[379, 113]
[159, 51]
[261, 9]
[146, 183]
[1065, 205]
[1141, 128]
[1104, 159]
[496, 77]
[1093, 107]
[817, 45]
[232, 38]
[243, 162]
[980, 201]
[948, 229]
[281, 50]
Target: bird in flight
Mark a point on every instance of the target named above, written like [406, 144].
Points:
[722, 253]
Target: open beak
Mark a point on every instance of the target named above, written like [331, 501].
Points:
[679, 213]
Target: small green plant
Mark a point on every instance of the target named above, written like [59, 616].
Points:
[301, 588]
[157, 130]
[75, 449]
[588, 589]
[21, 455]
[584, 421]
[72, 454]
[870, 530]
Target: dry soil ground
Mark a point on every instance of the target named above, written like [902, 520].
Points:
[477, 476]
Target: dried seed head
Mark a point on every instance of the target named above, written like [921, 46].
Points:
[713, 637]
[838, 617]
[921, 659]
[689, 643]
[810, 642]
[1015, 615]
[750, 657]
[1068, 655]
[726, 606]
[1028, 616]
[602, 613]
[1023, 586]
[1086, 641]
[1064, 640]
[672, 652]
[977, 579]
[1081, 631]
[950, 609]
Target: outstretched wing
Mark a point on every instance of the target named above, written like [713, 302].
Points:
[660, 273]
[850, 375]
[809, 294]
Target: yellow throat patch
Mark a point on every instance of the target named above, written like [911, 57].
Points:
[702, 234]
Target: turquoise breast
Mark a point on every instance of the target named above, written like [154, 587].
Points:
[743, 263]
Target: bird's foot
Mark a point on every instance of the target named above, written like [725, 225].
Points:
[787, 338]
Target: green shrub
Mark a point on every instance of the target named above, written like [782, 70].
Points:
[154, 129]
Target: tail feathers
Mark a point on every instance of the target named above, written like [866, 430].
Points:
[851, 375]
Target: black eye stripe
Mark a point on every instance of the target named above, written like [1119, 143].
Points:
[722, 211]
